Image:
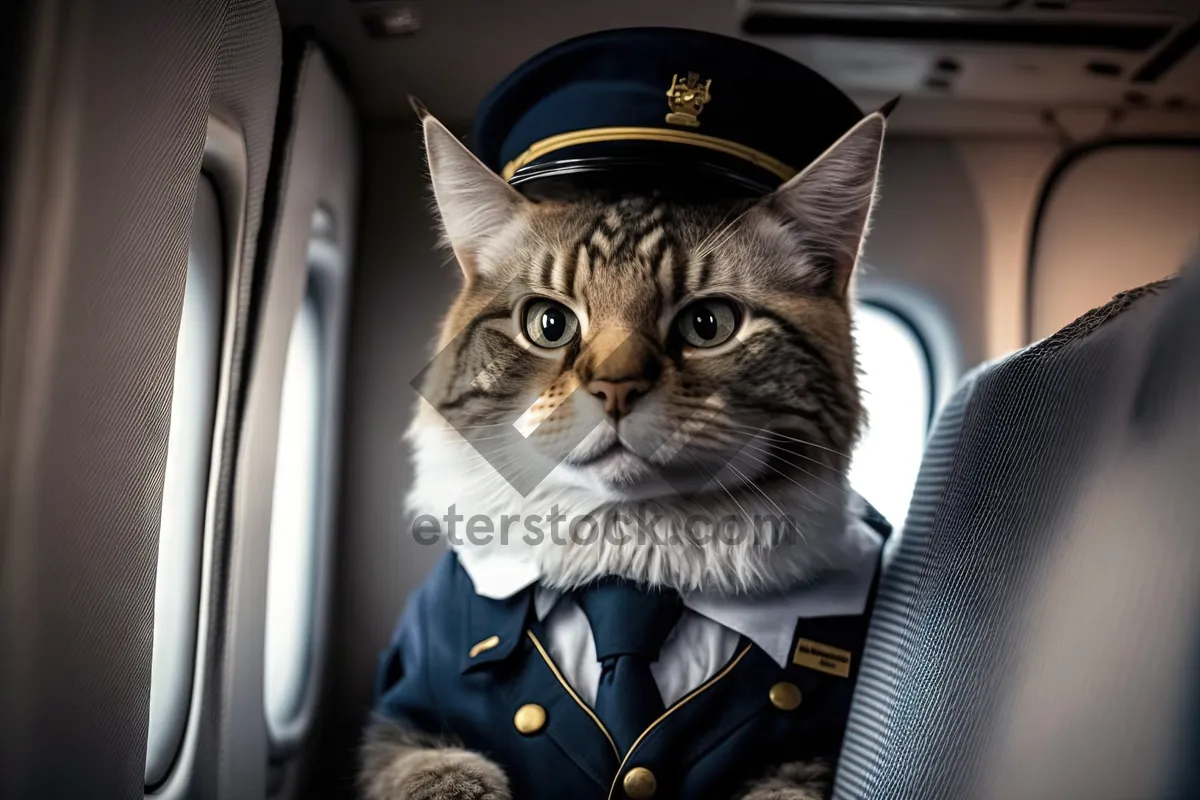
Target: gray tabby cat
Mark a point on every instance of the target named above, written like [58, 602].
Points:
[758, 378]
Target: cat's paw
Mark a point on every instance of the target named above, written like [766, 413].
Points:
[439, 774]
[800, 780]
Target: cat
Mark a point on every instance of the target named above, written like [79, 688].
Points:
[721, 333]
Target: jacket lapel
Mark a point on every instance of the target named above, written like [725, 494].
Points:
[571, 724]
[494, 628]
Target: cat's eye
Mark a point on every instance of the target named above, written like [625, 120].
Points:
[549, 324]
[707, 323]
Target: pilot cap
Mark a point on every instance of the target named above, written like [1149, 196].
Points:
[659, 107]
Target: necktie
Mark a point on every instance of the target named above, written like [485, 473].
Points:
[629, 625]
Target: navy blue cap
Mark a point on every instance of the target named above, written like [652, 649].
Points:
[665, 106]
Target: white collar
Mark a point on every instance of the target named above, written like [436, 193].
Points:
[760, 618]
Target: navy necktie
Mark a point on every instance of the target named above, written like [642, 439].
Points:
[629, 625]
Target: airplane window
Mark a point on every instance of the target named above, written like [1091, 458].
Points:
[300, 507]
[295, 522]
[896, 389]
[1091, 242]
[185, 489]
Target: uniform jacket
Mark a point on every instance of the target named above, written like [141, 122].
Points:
[476, 669]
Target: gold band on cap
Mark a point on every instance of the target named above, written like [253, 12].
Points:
[594, 135]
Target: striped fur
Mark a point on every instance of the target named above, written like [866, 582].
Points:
[767, 418]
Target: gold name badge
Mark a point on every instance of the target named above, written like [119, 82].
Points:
[822, 658]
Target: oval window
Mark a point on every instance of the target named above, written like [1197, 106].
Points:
[896, 392]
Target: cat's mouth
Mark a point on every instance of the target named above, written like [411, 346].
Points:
[626, 462]
[619, 468]
[612, 461]
[614, 453]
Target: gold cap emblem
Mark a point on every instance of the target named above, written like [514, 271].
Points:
[687, 99]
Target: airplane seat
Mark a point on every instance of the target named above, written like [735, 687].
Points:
[133, 179]
[1037, 632]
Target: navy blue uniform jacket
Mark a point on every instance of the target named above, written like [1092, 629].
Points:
[440, 676]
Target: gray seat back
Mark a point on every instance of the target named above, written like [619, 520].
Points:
[100, 184]
[1037, 632]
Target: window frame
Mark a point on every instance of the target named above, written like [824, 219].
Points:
[1067, 161]
[225, 163]
[326, 271]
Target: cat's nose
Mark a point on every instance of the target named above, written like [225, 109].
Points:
[618, 366]
[618, 395]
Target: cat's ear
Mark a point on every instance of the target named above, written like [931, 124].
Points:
[821, 216]
[477, 207]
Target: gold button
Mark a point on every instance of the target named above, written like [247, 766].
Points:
[640, 783]
[785, 696]
[530, 718]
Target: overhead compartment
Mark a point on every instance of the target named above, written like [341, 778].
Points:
[1043, 52]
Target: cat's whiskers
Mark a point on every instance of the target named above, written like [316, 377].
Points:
[462, 438]
[713, 477]
[785, 437]
[783, 517]
[473, 439]
[483, 461]
[720, 226]
[773, 468]
[488, 457]
[725, 232]
[698, 445]
[770, 451]
[747, 481]
[457, 428]
[505, 473]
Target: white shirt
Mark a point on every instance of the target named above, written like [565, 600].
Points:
[707, 633]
